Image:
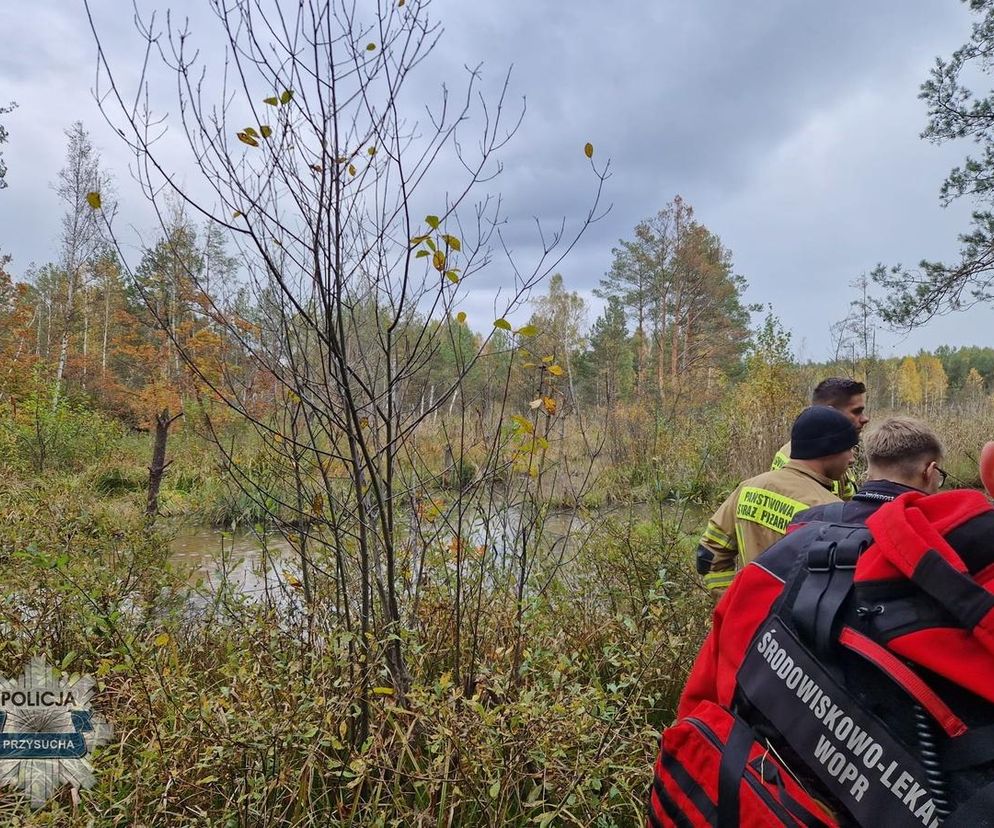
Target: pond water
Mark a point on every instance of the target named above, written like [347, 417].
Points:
[254, 564]
[240, 557]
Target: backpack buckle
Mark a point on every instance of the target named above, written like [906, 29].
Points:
[848, 553]
[821, 556]
[847, 556]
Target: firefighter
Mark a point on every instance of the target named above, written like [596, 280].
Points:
[849, 397]
[758, 512]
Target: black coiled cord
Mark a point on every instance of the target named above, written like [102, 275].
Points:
[928, 749]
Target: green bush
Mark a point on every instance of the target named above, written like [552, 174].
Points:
[64, 437]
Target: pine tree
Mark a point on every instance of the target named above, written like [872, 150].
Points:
[611, 356]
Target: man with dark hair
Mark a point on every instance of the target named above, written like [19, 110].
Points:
[903, 455]
[838, 393]
[758, 512]
[849, 397]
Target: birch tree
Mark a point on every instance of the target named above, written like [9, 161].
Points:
[353, 205]
[82, 232]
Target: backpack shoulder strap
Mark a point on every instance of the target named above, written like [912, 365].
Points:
[834, 512]
[828, 566]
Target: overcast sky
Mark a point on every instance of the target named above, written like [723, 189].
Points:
[791, 128]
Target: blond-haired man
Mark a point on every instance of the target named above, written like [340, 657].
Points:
[903, 455]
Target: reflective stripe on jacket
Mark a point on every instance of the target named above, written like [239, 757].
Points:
[756, 515]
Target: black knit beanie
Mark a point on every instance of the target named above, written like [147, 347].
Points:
[820, 431]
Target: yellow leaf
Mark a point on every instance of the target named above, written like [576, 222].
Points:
[549, 405]
[383, 691]
[371, 151]
[527, 330]
[317, 168]
[236, 214]
[351, 169]
[416, 240]
[400, 3]
[287, 96]
[547, 359]
[292, 579]
[266, 130]
[452, 242]
[452, 276]
[370, 47]
[250, 131]
[93, 199]
[274, 101]
[317, 504]
[245, 138]
[588, 150]
[503, 324]
[461, 317]
[438, 260]
[522, 423]
[161, 640]
[555, 370]
[432, 222]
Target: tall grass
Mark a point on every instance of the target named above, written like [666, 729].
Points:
[243, 713]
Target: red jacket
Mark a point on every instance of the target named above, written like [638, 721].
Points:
[902, 530]
[920, 613]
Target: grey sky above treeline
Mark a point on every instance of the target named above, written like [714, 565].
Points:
[791, 128]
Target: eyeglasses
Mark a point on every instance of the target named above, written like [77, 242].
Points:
[959, 481]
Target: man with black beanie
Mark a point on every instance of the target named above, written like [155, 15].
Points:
[757, 513]
[849, 397]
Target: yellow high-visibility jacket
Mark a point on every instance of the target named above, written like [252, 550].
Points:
[756, 515]
[844, 488]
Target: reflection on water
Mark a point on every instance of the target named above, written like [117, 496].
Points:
[252, 563]
[240, 557]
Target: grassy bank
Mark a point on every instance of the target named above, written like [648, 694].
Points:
[238, 713]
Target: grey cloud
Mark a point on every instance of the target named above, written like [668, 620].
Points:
[791, 127]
